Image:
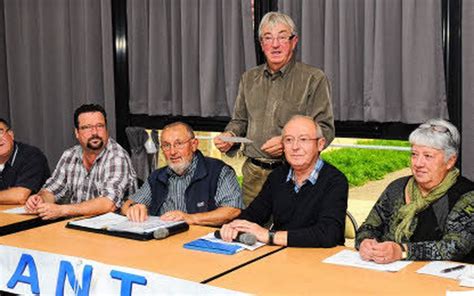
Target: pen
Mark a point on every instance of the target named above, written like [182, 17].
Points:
[449, 269]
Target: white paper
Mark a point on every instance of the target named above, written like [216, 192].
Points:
[235, 139]
[116, 222]
[19, 211]
[466, 279]
[210, 237]
[460, 293]
[151, 224]
[101, 221]
[352, 258]
[435, 268]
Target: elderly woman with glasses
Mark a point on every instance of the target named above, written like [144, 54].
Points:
[426, 216]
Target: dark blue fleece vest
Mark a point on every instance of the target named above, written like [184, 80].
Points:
[199, 196]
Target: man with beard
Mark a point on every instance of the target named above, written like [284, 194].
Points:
[91, 178]
[192, 188]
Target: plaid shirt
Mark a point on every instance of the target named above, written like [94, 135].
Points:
[111, 176]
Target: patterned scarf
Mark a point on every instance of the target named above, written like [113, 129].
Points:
[418, 203]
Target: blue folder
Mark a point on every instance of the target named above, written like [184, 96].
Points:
[212, 247]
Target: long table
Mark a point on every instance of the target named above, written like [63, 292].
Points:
[165, 256]
[297, 271]
[268, 270]
[13, 223]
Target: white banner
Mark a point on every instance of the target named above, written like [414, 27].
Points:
[24, 271]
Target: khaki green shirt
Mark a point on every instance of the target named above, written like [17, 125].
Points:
[266, 101]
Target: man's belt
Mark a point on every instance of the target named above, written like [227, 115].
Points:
[265, 165]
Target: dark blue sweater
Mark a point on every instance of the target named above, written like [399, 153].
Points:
[313, 217]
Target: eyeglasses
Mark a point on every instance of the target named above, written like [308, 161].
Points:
[288, 141]
[176, 145]
[3, 132]
[90, 127]
[437, 128]
[282, 39]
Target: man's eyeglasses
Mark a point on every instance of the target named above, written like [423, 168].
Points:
[176, 145]
[3, 132]
[437, 128]
[282, 39]
[90, 127]
[288, 141]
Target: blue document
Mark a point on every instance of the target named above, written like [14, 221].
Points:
[212, 247]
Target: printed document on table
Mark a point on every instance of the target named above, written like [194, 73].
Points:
[235, 139]
[101, 221]
[116, 222]
[151, 224]
[19, 211]
[352, 258]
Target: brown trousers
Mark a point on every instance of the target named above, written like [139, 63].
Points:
[253, 179]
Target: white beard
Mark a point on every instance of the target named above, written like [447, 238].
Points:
[179, 168]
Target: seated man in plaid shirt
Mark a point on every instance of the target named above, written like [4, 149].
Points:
[91, 178]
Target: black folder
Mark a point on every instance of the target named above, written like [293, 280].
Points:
[125, 234]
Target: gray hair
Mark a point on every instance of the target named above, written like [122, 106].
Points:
[273, 18]
[319, 131]
[189, 129]
[438, 134]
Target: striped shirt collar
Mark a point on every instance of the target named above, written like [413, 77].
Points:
[313, 177]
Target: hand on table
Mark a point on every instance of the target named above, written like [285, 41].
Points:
[231, 230]
[177, 216]
[32, 203]
[382, 253]
[137, 213]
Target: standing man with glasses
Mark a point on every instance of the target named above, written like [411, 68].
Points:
[193, 188]
[23, 168]
[306, 197]
[90, 178]
[269, 95]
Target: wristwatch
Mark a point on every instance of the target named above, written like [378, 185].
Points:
[271, 237]
[404, 251]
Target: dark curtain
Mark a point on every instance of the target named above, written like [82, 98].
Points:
[58, 56]
[4, 104]
[186, 57]
[383, 57]
[468, 89]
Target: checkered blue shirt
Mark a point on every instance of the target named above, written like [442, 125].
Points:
[313, 177]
